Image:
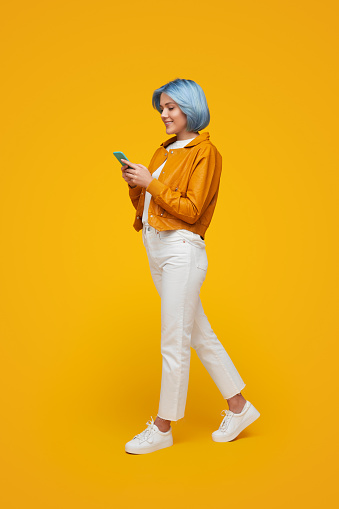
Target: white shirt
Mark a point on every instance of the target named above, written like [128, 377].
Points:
[148, 196]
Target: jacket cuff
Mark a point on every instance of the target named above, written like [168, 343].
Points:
[155, 187]
[133, 191]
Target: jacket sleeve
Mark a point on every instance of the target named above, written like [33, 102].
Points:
[202, 186]
[134, 194]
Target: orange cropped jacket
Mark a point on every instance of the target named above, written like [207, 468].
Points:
[186, 191]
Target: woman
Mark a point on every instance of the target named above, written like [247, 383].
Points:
[175, 198]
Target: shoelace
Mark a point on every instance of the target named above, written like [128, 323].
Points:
[147, 434]
[225, 422]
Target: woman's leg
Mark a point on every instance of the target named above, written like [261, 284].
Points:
[211, 353]
[178, 280]
[178, 284]
[156, 273]
[216, 360]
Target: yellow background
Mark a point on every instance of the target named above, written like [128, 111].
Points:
[80, 316]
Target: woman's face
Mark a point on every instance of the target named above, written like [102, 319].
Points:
[171, 113]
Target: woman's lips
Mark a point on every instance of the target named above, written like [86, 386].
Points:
[168, 123]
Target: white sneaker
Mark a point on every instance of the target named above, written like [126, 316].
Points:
[233, 424]
[149, 440]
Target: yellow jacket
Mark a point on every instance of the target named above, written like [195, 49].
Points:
[185, 193]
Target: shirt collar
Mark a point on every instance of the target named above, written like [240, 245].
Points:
[198, 139]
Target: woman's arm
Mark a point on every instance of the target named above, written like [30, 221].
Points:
[135, 191]
[134, 194]
[202, 187]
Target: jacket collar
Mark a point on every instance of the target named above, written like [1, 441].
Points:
[198, 139]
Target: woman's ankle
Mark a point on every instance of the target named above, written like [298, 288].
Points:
[236, 403]
[163, 424]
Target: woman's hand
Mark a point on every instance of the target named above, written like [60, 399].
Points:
[138, 175]
[126, 177]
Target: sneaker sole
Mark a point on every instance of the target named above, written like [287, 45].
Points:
[251, 418]
[152, 448]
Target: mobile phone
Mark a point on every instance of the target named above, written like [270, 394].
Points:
[120, 155]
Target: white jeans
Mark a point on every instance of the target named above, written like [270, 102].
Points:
[178, 263]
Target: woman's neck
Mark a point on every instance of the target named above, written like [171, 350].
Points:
[186, 136]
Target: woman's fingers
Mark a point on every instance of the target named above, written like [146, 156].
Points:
[131, 172]
[127, 176]
[129, 163]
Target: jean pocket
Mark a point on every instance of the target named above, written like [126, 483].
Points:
[201, 260]
[170, 236]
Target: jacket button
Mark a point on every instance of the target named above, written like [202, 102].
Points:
[161, 213]
[151, 215]
[137, 217]
[176, 189]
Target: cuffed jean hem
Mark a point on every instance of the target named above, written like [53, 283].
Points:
[238, 391]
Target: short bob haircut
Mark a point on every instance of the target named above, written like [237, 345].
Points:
[191, 100]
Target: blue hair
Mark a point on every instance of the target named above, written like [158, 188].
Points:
[191, 100]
